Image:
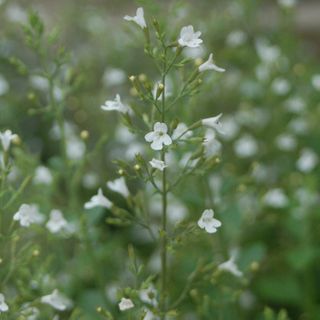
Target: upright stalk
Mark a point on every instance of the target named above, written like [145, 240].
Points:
[164, 207]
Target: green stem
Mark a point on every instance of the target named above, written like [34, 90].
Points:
[164, 209]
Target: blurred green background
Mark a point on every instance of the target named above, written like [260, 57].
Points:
[265, 189]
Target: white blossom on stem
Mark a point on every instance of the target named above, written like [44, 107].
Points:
[189, 38]
[208, 222]
[214, 123]
[56, 300]
[158, 164]
[158, 136]
[115, 105]
[119, 185]
[138, 18]
[3, 306]
[98, 200]
[28, 214]
[57, 222]
[6, 137]
[230, 266]
[209, 65]
[125, 304]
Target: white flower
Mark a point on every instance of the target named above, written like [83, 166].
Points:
[189, 38]
[42, 176]
[209, 65]
[98, 200]
[56, 222]
[113, 77]
[125, 304]
[115, 104]
[4, 86]
[286, 142]
[3, 306]
[295, 105]
[158, 164]
[208, 222]
[287, 3]
[28, 214]
[236, 38]
[6, 137]
[181, 131]
[315, 80]
[214, 123]
[246, 146]
[307, 161]
[299, 126]
[39, 82]
[280, 86]
[57, 300]
[138, 18]
[267, 52]
[149, 295]
[75, 148]
[230, 266]
[276, 198]
[158, 136]
[119, 185]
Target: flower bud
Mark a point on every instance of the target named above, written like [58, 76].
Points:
[35, 253]
[16, 140]
[160, 89]
[84, 134]
[31, 96]
[142, 77]
[254, 266]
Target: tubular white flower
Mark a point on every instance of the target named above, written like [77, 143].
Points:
[119, 185]
[138, 18]
[149, 295]
[6, 137]
[307, 161]
[57, 300]
[56, 222]
[230, 266]
[28, 214]
[125, 304]
[158, 164]
[3, 306]
[214, 123]
[115, 105]
[189, 38]
[42, 176]
[208, 222]
[158, 136]
[209, 65]
[98, 200]
[276, 198]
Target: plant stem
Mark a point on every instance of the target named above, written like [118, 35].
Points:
[164, 210]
